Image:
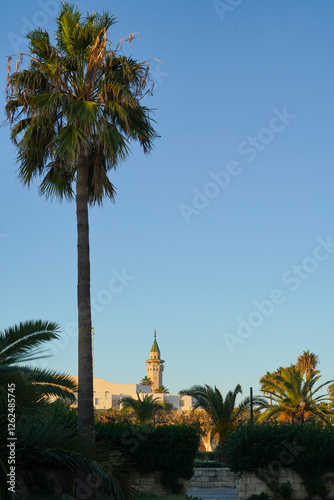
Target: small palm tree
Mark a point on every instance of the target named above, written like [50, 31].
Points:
[292, 397]
[162, 390]
[219, 409]
[146, 381]
[146, 408]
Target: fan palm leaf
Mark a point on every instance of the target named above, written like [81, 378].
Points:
[307, 362]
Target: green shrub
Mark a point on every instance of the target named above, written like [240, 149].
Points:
[60, 414]
[283, 490]
[212, 464]
[260, 496]
[170, 449]
[265, 448]
[205, 456]
[206, 459]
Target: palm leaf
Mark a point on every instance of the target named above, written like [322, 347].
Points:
[219, 409]
[20, 342]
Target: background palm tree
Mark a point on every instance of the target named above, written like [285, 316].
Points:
[292, 396]
[307, 362]
[220, 409]
[146, 408]
[162, 390]
[264, 383]
[72, 111]
[331, 392]
[146, 381]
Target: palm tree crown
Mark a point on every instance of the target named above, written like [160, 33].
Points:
[73, 111]
[81, 102]
[146, 381]
[162, 390]
[145, 408]
[307, 362]
[219, 409]
[292, 397]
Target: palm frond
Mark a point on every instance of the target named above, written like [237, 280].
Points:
[69, 143]
[58, 181]
[145, 408]
[50, 382]
[20, 342]
[291, 396]
[79, 97]
[220, 409]
[43, 445]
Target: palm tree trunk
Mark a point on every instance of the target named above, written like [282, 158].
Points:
[83, 485]
[85, 362]
[206, 438]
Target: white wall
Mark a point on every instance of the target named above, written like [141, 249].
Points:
[107, 395]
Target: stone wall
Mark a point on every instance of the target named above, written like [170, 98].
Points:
[250, 484]
[212, 478]
[202, 478]
[150, 483]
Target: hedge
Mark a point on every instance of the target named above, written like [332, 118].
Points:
[170, 449]
[263, 448]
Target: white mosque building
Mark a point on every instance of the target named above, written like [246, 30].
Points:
[108, 394]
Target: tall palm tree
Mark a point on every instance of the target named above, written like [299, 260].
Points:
[146, 408]
[219, 409]
[292, 396]
[307, 362]
[73, 109]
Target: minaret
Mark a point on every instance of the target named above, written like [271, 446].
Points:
[155, 365]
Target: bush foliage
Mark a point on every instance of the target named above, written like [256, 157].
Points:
[266, 448]
[169, 449]
[206, 460]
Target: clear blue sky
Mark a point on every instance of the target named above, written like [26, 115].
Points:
[223, 236]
